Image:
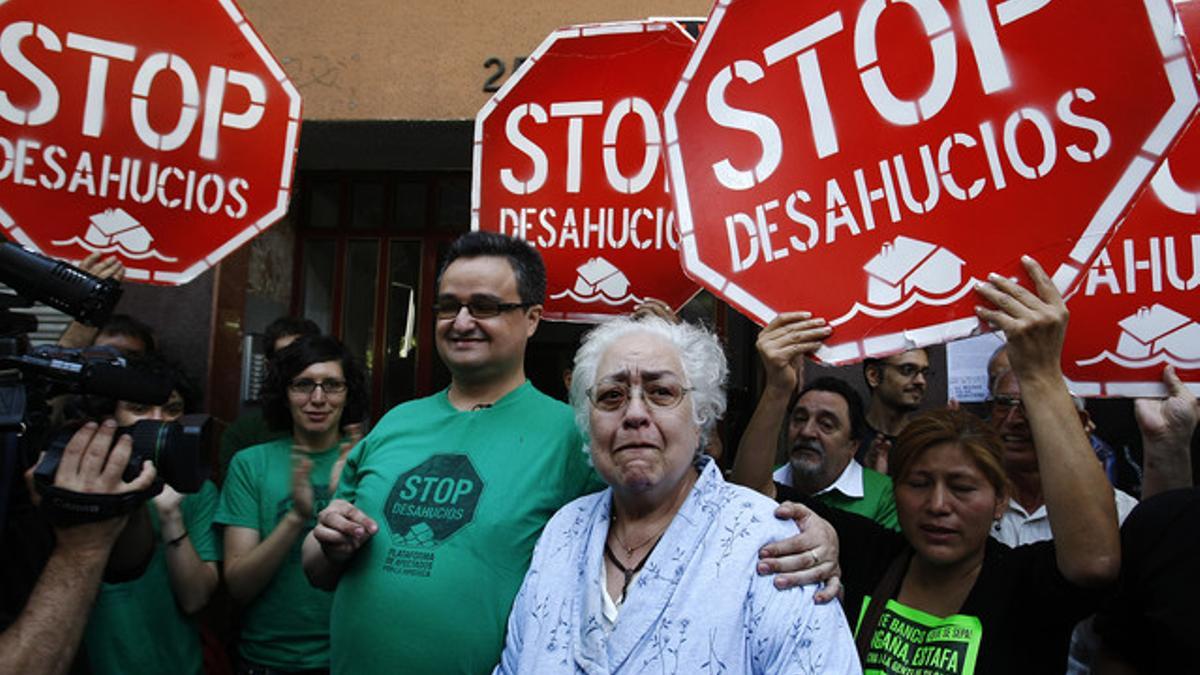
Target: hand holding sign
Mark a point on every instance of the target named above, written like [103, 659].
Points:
[1034, 324]
[784, 343]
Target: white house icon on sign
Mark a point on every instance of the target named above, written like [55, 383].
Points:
[600, 276]
[907, 265]
[1158, 329]
[598, 280]
[115, 226]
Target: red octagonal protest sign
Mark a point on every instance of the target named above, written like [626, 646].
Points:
[568, 157]
[871, 161]
[160, 132]
[1138, 307]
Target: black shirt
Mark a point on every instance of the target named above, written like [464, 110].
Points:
[1022, 606]
[1150, 623]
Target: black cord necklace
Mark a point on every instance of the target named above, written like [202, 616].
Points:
[608, 552]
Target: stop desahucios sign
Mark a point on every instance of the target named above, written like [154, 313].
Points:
[871, 161]
[1138, 307]
[161, 132]
[568, 157]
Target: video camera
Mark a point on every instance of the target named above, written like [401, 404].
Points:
[29, 378]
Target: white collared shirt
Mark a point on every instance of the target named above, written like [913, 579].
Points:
[850, 483]
[1018, 526]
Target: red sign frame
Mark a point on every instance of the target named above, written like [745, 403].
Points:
[162, 133]
[1137, 307]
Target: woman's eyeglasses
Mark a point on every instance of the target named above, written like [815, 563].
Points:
[307, 387]
[614, 396]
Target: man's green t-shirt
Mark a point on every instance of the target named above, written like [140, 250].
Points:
[877, 503]
[136, 627]
[287, 625]
[460, 499]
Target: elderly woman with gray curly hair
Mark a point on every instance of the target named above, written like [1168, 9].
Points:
[657, 572]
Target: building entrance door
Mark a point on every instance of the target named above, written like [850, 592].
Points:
[366, 264]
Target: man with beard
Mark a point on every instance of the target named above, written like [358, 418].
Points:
[823, 428]
[897, 384]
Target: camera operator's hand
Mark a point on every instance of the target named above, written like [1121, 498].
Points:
[45, 636]
[88, 466]
[169, 504]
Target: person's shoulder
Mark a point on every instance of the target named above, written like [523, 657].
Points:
[255, 455]
[755, 509]
[875, 481]
[207, 492]
[568, 518]
[551, 416]
[415, 406]
[1162, 510]
[531, 396]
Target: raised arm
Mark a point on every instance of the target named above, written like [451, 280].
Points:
[1079, 500]
[1167, 426]
[782, 346]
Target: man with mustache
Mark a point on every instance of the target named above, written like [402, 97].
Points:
[897, 384]
[823, 428]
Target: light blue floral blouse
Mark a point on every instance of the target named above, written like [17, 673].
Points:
[696, 607]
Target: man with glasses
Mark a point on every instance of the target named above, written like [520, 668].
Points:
[439, 507]
[897, 384]
[1025, 520]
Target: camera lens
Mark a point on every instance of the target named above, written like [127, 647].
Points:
[175, 448]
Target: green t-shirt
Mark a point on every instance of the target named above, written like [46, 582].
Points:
[877, 503]
[460, 498]
[136, 627]
[287, 625]
[910, 641]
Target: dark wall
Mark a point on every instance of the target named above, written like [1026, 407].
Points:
[181, 317]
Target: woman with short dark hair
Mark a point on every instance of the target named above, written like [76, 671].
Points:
[271, 496]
